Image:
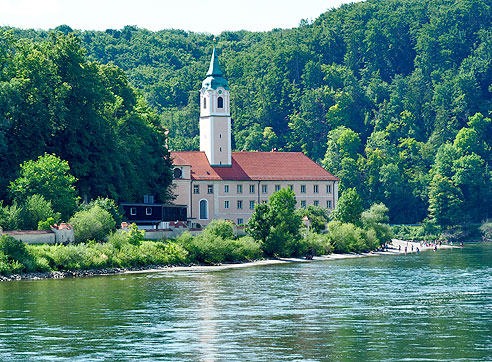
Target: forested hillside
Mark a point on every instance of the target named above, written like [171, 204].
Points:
[53, 100]
[393, 96]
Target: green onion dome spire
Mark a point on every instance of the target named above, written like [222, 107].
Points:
[215, 77]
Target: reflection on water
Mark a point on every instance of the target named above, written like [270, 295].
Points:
[434, 306]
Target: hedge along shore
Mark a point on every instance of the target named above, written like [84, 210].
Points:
[392, 250]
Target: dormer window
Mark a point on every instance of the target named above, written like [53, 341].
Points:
[204, 103]
[220, 102]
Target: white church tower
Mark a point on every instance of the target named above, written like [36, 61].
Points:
[215, 116]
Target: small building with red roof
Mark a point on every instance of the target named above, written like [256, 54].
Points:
[216, 183]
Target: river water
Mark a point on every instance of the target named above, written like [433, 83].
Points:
[436, 306]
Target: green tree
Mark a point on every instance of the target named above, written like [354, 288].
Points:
[318, 217]
[349, 208]
[259, 223]
[445, 202]
[376, 218]
[50, 177]
[276, 224]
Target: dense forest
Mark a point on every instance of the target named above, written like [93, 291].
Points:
[393, 96]
[55, 101]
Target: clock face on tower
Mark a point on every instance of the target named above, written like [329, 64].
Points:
[178, 173]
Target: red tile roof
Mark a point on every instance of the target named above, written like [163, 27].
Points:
[254, 166]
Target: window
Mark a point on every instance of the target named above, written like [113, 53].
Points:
[328, 189]
[316, 203]
[220, 149]
[148, 199]
[239, 189]
[178, 173]
[220, 102]
[240, 221]
[328, 204]
[210, 189]
[204, 103]
[315, 189]
[133, 211]
[303, 204]
[277, 188]
[226, 189]
[196, 189]
[148, 211]
[203, 209]
[251, 205]
[264, 189]
[220, 135]
[303, 189]
[251, 189]
[239, 204]
[291, 187]
[226, 204]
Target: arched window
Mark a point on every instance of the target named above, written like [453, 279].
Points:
[220, 102]
[204, 103]
[203, 209]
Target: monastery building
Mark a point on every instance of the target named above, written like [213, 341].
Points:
[216, 183]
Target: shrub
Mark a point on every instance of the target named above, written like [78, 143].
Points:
[207, 248]
[107, 204]
[486, 230]
[375, 219]
[12, 248]
[46, 224]
[118, 239]
[95, 223]
[17, 255]
[347, 237]
[135, 236]
[10, 216]
[36, 209]
[220, 228]
[313, 244]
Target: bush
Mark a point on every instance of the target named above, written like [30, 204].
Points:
[208, 248]
[118, 239]
[36, 209]
[135, 236]
[107, 204]
[486, 230]
[10, 216]
[93, 224]
[347, 237]
[313, 244]
[414, 232]
[221, 228]
[16, 255]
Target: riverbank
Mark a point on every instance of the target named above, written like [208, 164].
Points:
[395, 248]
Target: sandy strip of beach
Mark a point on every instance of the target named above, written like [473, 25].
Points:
[392, 250]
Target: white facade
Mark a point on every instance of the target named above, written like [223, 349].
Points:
[215, 126]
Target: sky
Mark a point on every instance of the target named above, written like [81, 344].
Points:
[205, 16]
